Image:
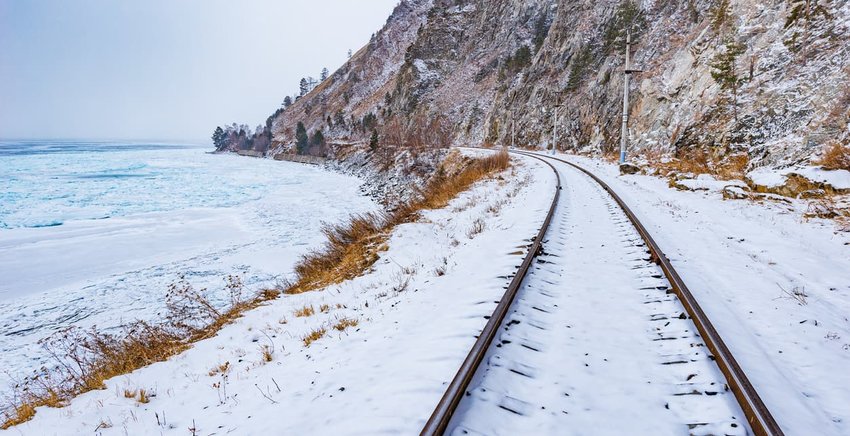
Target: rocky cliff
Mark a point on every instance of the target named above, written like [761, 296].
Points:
[769, 78]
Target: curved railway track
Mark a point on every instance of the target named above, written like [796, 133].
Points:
[635, 239]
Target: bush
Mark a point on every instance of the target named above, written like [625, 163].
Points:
[836, 156]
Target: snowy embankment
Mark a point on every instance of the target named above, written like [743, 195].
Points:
[776, 286]
[417, 311]
[133, 222]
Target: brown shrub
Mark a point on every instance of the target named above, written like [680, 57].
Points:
[351, 248]
[345, 323]
[836, 156]
[85, 359]
[719, 163]
[314, 336]
[305, 312]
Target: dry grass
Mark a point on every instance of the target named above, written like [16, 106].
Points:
[477, 227]
[349, 249]
[224, 368]
[21, 413]
[305, 312]
[325, 308]
[718, 163]
[830, 209]
[143, 398]
[314, 336]
[85, 359]
[267, 353]
[352, 248]
[345, 323]
[836, 156]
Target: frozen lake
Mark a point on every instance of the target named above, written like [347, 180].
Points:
[93, 233]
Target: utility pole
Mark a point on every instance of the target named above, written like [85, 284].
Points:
[513, 129]
[624, 138]
[555, 130]
[627, 71]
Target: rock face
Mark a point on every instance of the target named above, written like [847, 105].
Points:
[770, 78]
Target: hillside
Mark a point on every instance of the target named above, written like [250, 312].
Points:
[475, 66]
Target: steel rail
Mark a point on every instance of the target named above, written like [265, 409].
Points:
[442, 415]
[758, 416]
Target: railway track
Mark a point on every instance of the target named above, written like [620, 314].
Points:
[627, 350]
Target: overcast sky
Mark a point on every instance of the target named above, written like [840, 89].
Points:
[165, 69]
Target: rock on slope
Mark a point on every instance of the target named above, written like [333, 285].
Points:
[482, 64]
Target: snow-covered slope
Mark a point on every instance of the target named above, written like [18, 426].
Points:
[418, 312]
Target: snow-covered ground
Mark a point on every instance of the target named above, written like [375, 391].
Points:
[418, 313]
[776, 286]
[129, 221]
[594, 343]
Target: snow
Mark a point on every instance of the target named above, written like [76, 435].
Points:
[198, 215]
[426, 74]
[744, 262]
[423, 303]
[384, 376]
[767, 177]
[607, 339]
[839, 179]
[705, 182]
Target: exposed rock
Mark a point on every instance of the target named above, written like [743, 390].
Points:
[796, 185]
[487, 65]
[627, 168]
[734, 193]
[814, 193]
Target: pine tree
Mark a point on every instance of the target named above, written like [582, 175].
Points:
[373, 142]
[318, 138]
[303, 87]
[724, 70]
[287, 101]
[219, 138]
[325, 74]
[720, 15]
[301, 139]
[628, 19]
[806, 21]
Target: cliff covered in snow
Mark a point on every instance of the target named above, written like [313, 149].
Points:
[767, 78]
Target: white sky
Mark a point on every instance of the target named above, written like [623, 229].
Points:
[165, 69]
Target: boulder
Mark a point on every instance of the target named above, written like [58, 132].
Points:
[627, 168]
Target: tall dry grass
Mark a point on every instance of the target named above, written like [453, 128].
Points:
[85, 358]
[353, 247]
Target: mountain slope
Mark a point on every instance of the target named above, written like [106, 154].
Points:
[481, 64]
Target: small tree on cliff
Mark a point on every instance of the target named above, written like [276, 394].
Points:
[724, 70]
[318, 138]
[302, 142]
[303, 87]
[373, 142]
[324, 75]
[287, 101]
